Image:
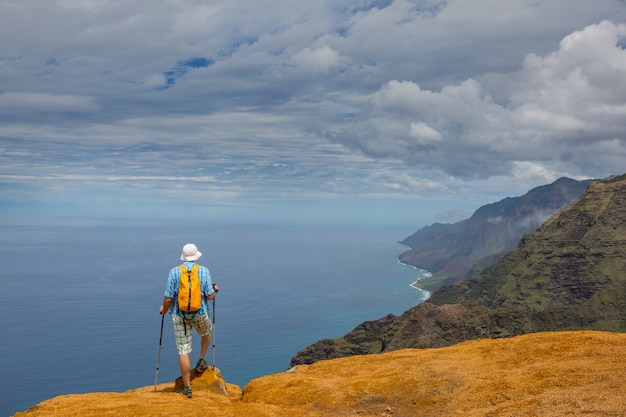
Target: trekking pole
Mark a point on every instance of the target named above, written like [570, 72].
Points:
[213, 334]
[156, 378]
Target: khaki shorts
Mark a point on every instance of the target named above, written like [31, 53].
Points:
[183, 326]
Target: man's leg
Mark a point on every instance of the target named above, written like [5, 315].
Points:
[185, 368]
[182, 334]
[204, 345]
[203, 327]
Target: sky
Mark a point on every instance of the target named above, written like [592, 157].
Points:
[388, 111]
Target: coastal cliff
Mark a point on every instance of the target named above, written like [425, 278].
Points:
[569, 274]
[455, 251]
[541, 374]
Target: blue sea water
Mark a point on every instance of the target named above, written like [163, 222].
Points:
[80, 304]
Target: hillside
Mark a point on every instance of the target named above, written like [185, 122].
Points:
[570, 274]
[451, 251]
[543, 374]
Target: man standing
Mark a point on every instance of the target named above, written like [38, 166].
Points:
[184, 321]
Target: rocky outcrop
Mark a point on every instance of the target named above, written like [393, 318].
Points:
[568, 274]
[543, 374]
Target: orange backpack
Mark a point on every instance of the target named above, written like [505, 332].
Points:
[189, 292]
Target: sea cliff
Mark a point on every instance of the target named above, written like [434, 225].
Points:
[569, 274]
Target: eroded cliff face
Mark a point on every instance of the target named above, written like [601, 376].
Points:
[569, 274]
[541, 374]
[452, 251]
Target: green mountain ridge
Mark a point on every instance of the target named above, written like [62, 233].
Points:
[569, 274]
[456, 251]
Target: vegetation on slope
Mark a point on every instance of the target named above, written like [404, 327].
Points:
[569, 274]
[455, 251]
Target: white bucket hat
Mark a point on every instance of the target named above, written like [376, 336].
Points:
[190, 253]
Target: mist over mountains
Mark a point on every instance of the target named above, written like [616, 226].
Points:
[452, 251]
[569, 274]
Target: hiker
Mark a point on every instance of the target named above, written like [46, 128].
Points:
[189, 310]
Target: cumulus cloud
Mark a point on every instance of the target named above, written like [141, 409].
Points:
[316, 60]
[385, 98]
[560, 107]
[424, 134]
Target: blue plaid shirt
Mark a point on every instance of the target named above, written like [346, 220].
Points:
[173, 281]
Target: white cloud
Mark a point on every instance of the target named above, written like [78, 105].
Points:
[321, 59]
[271, 97]
[424, 134]
[404, 183]
[11, 103]
[554, 102]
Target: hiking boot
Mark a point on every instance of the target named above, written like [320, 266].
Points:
[185, 391]
[202, 365]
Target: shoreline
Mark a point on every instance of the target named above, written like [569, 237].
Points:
[414, 284]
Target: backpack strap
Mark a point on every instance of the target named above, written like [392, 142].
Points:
[182, 268]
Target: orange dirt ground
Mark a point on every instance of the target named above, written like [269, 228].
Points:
[543, 374]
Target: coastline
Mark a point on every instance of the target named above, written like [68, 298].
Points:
[425, 274]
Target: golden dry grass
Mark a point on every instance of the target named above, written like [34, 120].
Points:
[543, 374]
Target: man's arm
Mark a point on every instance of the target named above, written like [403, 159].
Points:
[212, 296]
[167, 303]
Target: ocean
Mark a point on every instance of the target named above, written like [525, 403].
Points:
[80, 303]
